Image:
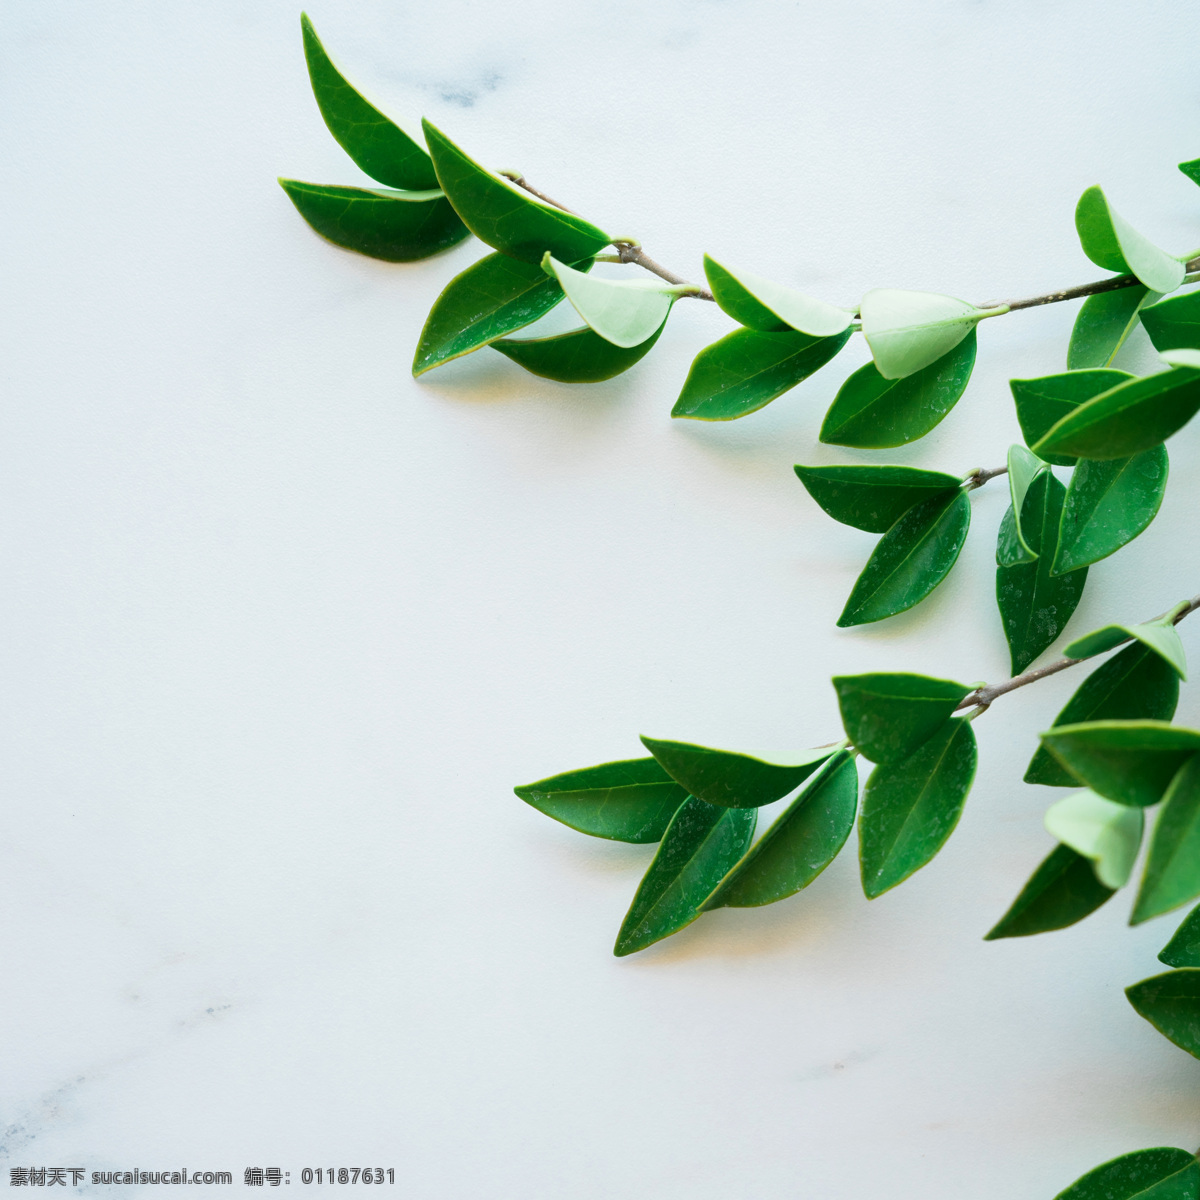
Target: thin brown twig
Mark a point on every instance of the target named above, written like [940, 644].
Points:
[982, 697]
[631, 252]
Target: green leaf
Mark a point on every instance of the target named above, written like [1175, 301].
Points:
[911, 559]
[579, 356]
[1183, 950]
[1191, 169]
[1171, 1003]
[1106, 833]
[731, 780]
[1128, 418]
[1131, 762]
[746, 370]
[872, 497]
[1112, 243]
[700, 845]
[1063, 890]
[1182, 358]
[1035, 604]
[887, 716]
[1103, 324]
[1160, 636]
[1163, 1173]
[1133, 685]
[503, 215]
[1012, 546]
[377, 145]
[770, 307]
[628, 801]
[1042, 403]
[910, 330]
[872, 412]
[803, 841]
[1174, 324]
[623, 311]
[394, 226]
[1172, 875]
[1109, 502]
[911, 807]
[491, 298]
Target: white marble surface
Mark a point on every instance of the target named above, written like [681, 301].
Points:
[284, 627]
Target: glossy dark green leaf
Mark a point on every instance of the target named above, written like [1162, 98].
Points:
[1034, 604]
[700, 845]
[1191, 169]
[1159, 635]
[628, 801]
[731, 780]
[1162, 1173]
[1063, 890]
[1013, 545]
[1103, 324]
[1133, 685]
[1172, 875]
[769, 307]
[394, 226]
[1183, 950]
[911, 807]
[1171, 1003]
[799, 845]
[911, 559]
[1174, 323]
[1128, 418]
[503, 215]
[1042, 403]
[908, 331]
[870, 497]
[379, 147]
[1131, 762]
[492, 298]
[579, 356]
[746, 370]
[1109, 502]
[887, 716]
[871, 412]
[1112, 243]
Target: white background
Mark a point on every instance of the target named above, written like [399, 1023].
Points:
[283, 627]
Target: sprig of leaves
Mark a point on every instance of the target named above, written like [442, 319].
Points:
[1113, 742]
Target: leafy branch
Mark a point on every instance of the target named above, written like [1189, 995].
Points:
[1113, 742]
[631, 252]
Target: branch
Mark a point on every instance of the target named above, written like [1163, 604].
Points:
[631, 252]
[982, 697]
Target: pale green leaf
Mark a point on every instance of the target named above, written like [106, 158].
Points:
[1109, 834]
[1111, 242]
[1013, 546]
[1161, 636]
[761, 304]
[909, 330]
[625, 312]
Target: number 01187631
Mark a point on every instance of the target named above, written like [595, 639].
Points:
[348, 1175]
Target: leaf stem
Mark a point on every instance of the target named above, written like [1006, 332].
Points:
[984, 696]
